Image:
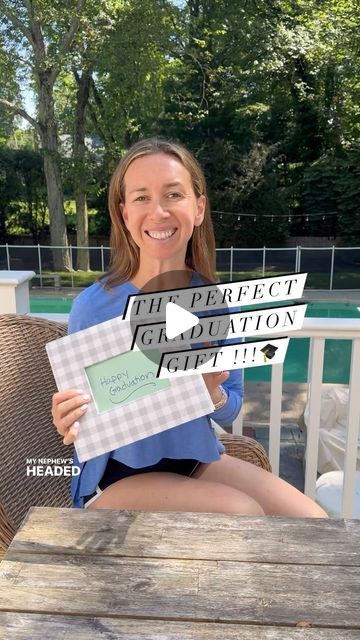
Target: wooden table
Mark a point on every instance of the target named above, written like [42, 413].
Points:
[180, 576]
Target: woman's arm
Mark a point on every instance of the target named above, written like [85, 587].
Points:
[68, 406]
[234, 388]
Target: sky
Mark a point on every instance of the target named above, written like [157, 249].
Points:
[29, 103]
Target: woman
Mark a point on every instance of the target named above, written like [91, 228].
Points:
[161, 224]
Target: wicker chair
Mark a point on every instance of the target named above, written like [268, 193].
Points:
[26, 428]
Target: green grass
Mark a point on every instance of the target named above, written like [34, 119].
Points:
[71, 279]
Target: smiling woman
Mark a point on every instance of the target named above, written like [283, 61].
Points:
[158, 193]
[161, 226]
[160, 219]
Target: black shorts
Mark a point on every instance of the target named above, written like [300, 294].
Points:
[118, 470]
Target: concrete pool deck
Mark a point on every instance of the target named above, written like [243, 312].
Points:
[336, 295]
[256, 411]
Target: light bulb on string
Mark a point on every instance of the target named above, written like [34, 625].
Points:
[307, 218]
[238, 218]
[323, 217]
[289, 219]
[272, 218]
[254, 218]
[220, 216]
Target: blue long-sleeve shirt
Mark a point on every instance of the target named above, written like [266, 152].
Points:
[195, 439]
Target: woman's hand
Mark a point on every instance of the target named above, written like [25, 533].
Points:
[213, 382]
[67, 407]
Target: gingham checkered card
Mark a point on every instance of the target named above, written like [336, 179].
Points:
[186, 398]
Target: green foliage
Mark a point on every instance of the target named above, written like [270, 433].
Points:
[9, 90]
[22, 194]
[348, 191]
[129, 73]
[332, 190]
[265, 94]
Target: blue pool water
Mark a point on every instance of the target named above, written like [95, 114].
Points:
[337, 352]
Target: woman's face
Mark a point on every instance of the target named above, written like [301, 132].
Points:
[161, 208]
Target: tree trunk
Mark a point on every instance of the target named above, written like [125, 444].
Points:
[80, 181]
[49, 143]
[82, 235]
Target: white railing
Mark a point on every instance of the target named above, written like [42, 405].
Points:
[319, 329]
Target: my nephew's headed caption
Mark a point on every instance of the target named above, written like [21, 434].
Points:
[37, 467]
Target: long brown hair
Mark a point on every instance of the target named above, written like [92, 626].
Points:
[125, 255]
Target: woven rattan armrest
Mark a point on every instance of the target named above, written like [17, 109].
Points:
[26, 428]
[246, 449]
[7, 532]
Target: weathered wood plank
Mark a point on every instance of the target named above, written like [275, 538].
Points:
[174, 535]
[18, 626]
[181, 589]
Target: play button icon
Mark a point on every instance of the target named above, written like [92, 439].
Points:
[178, 320]
[161, 318]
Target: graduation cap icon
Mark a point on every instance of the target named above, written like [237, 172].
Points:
[269, 351]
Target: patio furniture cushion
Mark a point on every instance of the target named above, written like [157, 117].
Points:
[332, 429]
[26, 427]
[328, 493]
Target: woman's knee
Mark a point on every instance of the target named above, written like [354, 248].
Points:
[230, 500]
[313, 510]
[245, 506]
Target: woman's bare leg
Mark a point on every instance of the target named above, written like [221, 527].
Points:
[162, 491]
[275, 496]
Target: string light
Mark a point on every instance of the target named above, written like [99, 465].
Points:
[277, 217]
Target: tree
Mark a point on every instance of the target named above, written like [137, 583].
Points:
[22, 192]
[217, 101]
[10, 89]
[127, 86]
[108, 95]
[80, 178]
[39, 36]
[95, 24]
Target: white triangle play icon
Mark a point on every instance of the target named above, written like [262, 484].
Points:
[178, 320]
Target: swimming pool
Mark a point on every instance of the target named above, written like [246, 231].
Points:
[43, 304]
[337, 352]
